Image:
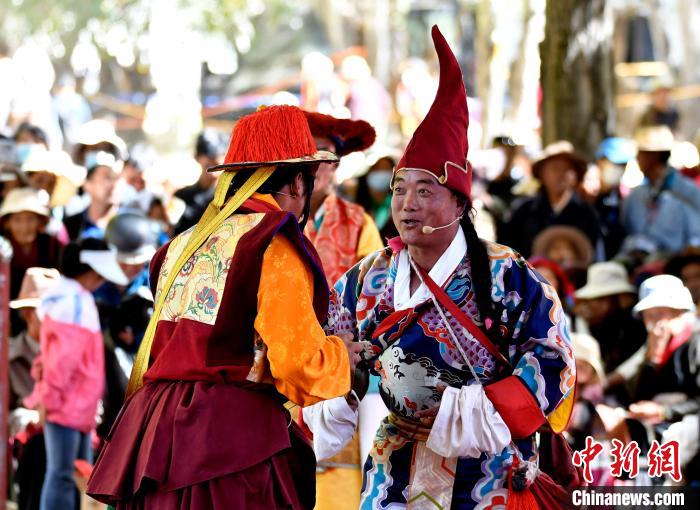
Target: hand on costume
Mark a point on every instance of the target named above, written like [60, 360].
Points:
[647, 411]
[354, 349]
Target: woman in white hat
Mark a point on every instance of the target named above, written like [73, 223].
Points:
[666, 386]
[23, 217]
[671, 362]
[604, 303]
[70, 370]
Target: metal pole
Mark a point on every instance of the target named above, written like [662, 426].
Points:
[5, 257]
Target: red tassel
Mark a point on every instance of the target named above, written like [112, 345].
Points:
[272, 134]
[519, 499]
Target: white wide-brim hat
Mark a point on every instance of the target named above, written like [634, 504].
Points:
[664, 291]
[605, 279]
[104, 263]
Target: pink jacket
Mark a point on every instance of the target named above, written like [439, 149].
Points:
[71, 364]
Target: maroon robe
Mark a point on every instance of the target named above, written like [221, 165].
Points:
[198, 435]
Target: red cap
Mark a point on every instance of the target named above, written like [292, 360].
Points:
[348, 135]
[272, 136]
[439, 144]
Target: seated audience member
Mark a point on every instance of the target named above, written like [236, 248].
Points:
[568, 247]
[605, 303]
[666, 387]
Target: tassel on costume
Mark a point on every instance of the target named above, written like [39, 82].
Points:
[254, 131]
[519, 494]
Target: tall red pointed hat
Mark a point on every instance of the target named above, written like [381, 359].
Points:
[439, 144]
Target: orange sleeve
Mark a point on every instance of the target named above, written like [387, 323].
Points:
[306, 365]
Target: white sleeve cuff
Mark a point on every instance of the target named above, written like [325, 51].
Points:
[467, 425]
[333, 423]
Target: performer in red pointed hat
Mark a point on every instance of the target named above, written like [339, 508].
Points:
[469, 343]
[235, 333]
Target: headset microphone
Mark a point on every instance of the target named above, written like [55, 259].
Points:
[429, 230]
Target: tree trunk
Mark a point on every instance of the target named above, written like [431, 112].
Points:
[577, 73]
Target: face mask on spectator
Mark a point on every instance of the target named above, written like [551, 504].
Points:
[24, 149]
[379, 180]
[612, 175]
[102, 158]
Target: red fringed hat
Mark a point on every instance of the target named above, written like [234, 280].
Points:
[439, 144]
[347, 135]
[272, 136]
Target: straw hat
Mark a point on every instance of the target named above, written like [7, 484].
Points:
[69, 176]
[25, 200]
[36, 281]
[577, 239]
[564, 149]
[605, 279]
[654, 139]
[586, 348]
[664, 291]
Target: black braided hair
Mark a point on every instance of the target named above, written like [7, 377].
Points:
[480, 267]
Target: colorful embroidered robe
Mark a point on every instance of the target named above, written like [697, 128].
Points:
[412, 356]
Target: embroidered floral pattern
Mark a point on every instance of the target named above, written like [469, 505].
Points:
[197, 290]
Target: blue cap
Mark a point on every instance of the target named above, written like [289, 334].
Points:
[616, 150]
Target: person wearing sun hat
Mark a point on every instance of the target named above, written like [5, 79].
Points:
[461, 409]
[24, 348]
[70, 370]
[235, 333]
[559, 169]
[604, 304]
[670, 367]
[24, 215]
[666, 206]
[567, 246]
[95, 136]
[342, 232]
[54, 172]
